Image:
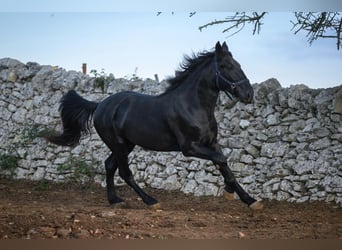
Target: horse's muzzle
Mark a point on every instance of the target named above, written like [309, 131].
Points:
[246, 92]
[249, 98]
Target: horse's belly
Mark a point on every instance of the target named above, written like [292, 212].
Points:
[152, 138]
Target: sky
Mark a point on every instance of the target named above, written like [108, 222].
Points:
[142, 42]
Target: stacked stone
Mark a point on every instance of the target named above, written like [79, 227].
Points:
[287, 145]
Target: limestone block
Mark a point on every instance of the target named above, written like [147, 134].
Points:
[277, 149]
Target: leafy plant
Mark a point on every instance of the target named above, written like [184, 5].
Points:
[134, 76]
[33, 131]
[78, 168]
[41, 185]
[9, 160]
[101, 79]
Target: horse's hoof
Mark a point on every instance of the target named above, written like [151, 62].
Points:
[228, 196]
[155, 206]
[257, 205]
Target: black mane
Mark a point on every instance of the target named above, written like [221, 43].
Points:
[189, 64]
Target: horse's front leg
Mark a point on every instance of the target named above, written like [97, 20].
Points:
[215, 155]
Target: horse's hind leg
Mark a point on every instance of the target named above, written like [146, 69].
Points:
[126, 174]
[111, 167]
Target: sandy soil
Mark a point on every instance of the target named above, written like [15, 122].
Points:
[43, 210]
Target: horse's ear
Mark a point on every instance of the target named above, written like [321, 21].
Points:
[218, 49]
[218, 46]
[225, 47]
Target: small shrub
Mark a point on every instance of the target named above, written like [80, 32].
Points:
[41, 185]
[101, 79]
[134, 76]
[9, 162]
[79, 169]
[33, 131]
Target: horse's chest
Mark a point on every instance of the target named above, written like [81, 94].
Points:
[209, 132]
[204, 129]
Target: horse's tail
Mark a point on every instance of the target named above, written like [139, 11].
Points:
[76, 113]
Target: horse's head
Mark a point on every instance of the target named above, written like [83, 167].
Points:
[229, 76]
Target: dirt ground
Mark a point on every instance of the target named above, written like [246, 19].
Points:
[43, 210]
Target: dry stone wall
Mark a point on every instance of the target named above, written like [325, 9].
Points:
[287, 145]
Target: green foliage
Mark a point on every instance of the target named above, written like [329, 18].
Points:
[33, 131]
[78, 169]
[41, 185]
[134, 76]
[9, 160]
[101, 79]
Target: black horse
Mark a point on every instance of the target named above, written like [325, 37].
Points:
[180, 119]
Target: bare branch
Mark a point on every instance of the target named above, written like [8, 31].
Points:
[192, 13]
[319, 25]
[339, 38]
[238, 21]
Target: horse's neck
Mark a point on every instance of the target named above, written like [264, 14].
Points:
[207, 95]
[198, 90]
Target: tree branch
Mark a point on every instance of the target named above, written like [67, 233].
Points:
[238, 21]
[319, 25]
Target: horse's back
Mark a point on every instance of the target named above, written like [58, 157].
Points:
[107, 108]
[119, 102]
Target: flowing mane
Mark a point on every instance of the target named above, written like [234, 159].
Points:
[188, 66]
